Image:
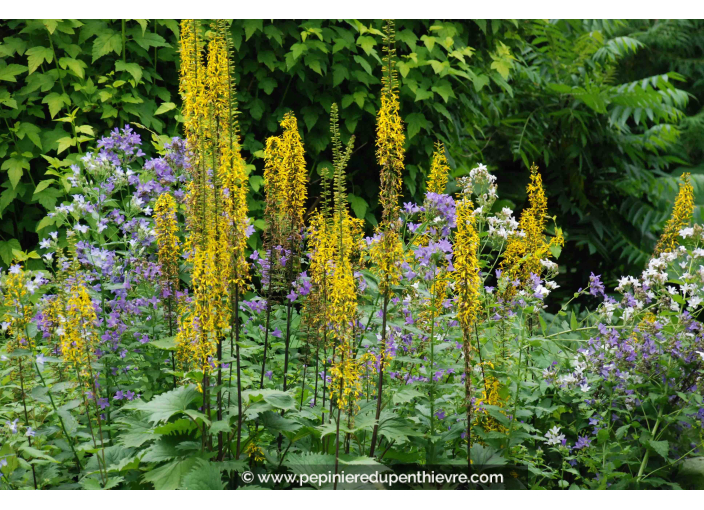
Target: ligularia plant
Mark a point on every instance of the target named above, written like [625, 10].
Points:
[151, 340]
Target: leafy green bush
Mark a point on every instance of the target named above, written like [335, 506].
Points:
[62, 83]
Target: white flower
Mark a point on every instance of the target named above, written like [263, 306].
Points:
[686, 232]
[81, 228]
[548, 264]
[41, 359]
[701, 354]
[585, 387]
[694, 302]
[553, 436]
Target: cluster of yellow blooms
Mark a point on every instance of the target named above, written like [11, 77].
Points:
[390, 137]
[439, 170]
[167, 240]
[285, 175]
[18, 310]
[79, 333]
[466, 275]
[491, 395]
[528, 246]
[254, 452]
[680, 218]
[216, 199]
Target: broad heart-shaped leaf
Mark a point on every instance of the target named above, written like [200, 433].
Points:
[168, 476]
[309, 463]
[113, 456]
[486, 456]
[276, 423]
[164, 406]
[94, 484]
[406, 395]
[321, 464]
[205, 476]
[168, 344]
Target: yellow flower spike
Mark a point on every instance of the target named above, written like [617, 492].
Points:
[680, 218]
[466, 265]
[528, 246]
[167, 239]
[439, 170]
[216, 203]
[390, 136]
[18, 309]
[286, 180]
[79, 333]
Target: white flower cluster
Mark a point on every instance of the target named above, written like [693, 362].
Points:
[481, 184]
[503, 224]
[553, 436]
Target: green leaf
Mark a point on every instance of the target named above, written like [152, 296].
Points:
[37, 454]
[164, 107]
[406, 395]
[56, 101]
[367, 43]
[251, 26]
[363, 62]
[37, 56]
[9, 72]
[150, 39]
[15, 167]
[65, 143]
[133, 68]
[164, 406]
[204, 476]
[275, 423]
[168, 344]
[105, 43]
[444, 89]
[480, 81]
[662, 448]
[416, 121]
[6, 248]
[169, 476]
[75, 65]
[358, 205]
[339, 74]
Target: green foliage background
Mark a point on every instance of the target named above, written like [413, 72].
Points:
[610, 110]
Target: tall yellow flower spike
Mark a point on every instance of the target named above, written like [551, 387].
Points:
[529, 245]
[79, 333]
[286, 179]
[390, 137]
[216, 201]
[466, 274]
[681, 216]
[439, 170]
[18, 310]
[167, 239]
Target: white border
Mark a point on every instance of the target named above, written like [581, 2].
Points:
[360, 9]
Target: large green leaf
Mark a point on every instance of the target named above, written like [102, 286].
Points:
[164, 406]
